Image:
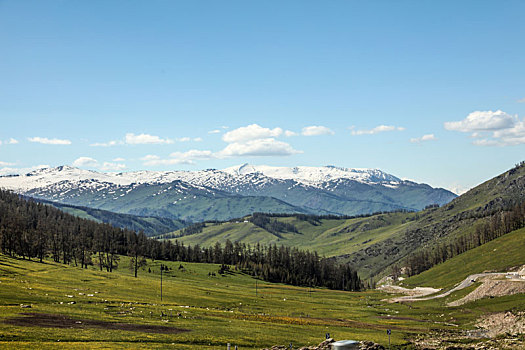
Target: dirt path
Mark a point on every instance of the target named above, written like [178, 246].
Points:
[492, 288]
[467, 282]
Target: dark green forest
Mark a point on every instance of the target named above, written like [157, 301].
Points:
[32, 230]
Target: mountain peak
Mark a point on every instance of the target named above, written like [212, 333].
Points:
[311, 175]
[326, 189]
[307, 175]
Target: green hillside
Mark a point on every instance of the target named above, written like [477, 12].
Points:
[434, 226]
[149, 224]
[175, 200]
[373, 243]
[196, 208]
[330, 237]
[498, 255]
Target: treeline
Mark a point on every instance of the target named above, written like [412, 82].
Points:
[493, 227]
[270, 263]
[33, 230]
[268, 222]
[193, 229]
[316, 219]
[271, 225]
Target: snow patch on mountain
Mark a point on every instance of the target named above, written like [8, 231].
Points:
[254, 176]
[316, 175]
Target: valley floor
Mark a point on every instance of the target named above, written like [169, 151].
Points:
[51, 305]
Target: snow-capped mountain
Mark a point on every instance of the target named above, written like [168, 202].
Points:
[313, 176]
[316, 175]
[201, 195]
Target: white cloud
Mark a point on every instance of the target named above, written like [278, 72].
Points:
[193, 154]
[11, 141]
[93, 163]
[216, 131]
[487, 142]
[187, 157]
[521, 100]
[316, 130]
[107, 166]
[15, 171]
[46, 141]
[289, 133]
[427, 137]
[250, 132]
[377, 129]
[482, 121]
[188, 139]
[85, 161]
[490, 128]
[251, 140]
[153, 160]
[141, 139]
[150, 157]
[258, 147]
[119, 159]
[6, 163]
[106, 144]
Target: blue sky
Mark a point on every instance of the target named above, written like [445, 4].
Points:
[426, 90]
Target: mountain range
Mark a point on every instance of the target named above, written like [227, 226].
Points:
[233, 192]
[373, 243]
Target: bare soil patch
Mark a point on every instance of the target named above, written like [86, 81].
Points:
[62, 321]
[492, 288]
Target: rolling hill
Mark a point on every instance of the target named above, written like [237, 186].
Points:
[327, 236]
[374, 243]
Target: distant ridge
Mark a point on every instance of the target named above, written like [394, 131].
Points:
[232, 192]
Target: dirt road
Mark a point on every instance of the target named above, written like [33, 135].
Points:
[467, 282]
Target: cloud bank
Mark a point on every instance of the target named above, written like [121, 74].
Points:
[490, 128]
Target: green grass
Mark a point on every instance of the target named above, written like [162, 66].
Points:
[217, 310]
[330, 237]
[498, 256]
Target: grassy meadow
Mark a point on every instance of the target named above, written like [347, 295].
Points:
[210, 311]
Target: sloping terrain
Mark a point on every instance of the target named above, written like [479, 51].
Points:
[502, 254]
[150, 225]
[434, 226]
[374, 243]
[174, 200]
[330, 237]
[229, 193]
